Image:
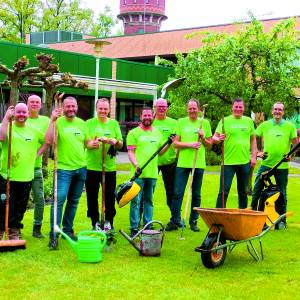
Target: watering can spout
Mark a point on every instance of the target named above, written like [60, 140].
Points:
[70, 241]
[130, 240]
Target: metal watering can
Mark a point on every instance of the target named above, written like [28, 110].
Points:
[149, 241]
[89, 245]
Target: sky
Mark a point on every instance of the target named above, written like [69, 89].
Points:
[196, 13]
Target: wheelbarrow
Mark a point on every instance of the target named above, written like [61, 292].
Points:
[230, 227]
[147, 242]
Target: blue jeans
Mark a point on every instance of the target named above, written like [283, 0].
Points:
[38, 196]
[147, 190]
[69, 186]
[242, 177]
[281, 178]
[181, 178]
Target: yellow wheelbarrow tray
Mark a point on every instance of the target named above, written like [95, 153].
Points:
[230, 227]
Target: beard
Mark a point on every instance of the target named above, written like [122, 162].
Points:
[147, 122]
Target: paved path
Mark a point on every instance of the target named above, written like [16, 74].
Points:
[122, 158]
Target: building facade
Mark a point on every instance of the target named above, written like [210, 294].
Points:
[142, 16]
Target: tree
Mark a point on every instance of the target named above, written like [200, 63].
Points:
[253, 64]
[40, 76]
[66, 15]
[19, 72]
[105, 23]
[18, 17]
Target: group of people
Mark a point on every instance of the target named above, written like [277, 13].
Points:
[86, 152]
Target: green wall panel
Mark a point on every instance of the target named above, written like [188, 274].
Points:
[81, 64]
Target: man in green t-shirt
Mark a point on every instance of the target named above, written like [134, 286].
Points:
[167, 161]
[192, 133]
[238, 136]
[142, 142]
[105, 131]
[40, 123]
[25, 144]
[277, 135]
[71, 165]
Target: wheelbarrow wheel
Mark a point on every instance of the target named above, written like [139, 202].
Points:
[213, 259]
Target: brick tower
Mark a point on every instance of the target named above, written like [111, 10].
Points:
[141, 16]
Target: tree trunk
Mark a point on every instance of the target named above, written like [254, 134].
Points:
[14, 94]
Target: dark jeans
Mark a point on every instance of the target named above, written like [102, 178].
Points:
[19, 195]
[281, 178]
[168, 175]
[181, 179]
[92, 185]
[242, 177]
[69, 186]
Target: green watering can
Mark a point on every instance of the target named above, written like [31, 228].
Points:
[89, 245]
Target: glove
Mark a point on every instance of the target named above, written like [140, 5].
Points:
[170, 138]
[112, 151]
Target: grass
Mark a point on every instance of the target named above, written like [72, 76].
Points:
[178, 273]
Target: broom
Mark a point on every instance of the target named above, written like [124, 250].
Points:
[9, 245]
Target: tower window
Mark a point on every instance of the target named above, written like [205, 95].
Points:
[124, 2]
[157, 2]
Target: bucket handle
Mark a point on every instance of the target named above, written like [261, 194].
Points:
[152, 222]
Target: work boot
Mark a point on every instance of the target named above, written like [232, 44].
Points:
[14, 234]
[53, 241]
[194, 227]
[36, 232]
[171, 226]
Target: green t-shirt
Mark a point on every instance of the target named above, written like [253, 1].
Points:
[277, 141]
[71, 144]
[24, 146]
[187, 130]
[166, 127]
[146, 142]
[237, 145]
[110, 129]
[41, 124]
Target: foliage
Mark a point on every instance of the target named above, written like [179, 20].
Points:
[19, 17]
[178, 273]
[104, 24]
[256, 65]
[66, 15]
[212, 158]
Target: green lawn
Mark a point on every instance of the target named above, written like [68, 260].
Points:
[178, 273]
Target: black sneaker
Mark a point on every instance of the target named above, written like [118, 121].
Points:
[194, 227]
[36, 232]
[133, 232]
[72, 235]
[171, 226]
[53, 242]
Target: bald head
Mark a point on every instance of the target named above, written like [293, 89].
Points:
[161, 107]
[34, 104]
[21, 114]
